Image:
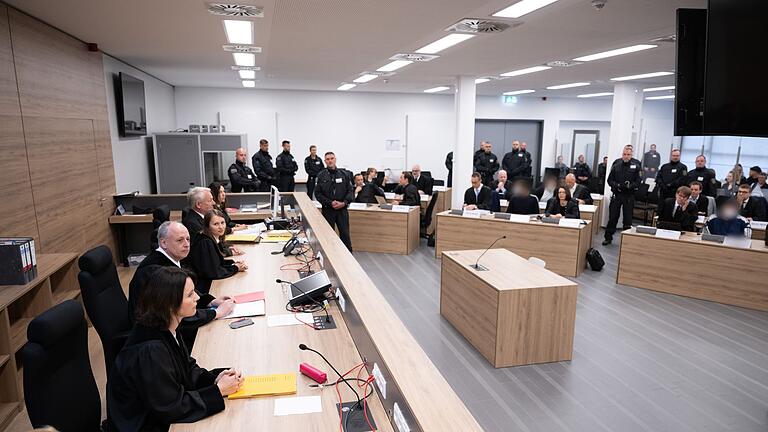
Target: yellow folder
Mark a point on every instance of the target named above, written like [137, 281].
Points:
[243, 238]
[266, 385]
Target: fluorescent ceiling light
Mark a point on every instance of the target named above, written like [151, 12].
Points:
[653, 89]
[616, 52]
[239, 32]
[249, 84]
[247, 74]
[660, 97]
[346, 86]
[365, 78]
[591, 95]
[522, 7]
[393, 66]
[482, 80]
[565, 86]
[526, 71]
[518, 92]
[444, 42]
[244, 59]
[641, 76]
[436, 89]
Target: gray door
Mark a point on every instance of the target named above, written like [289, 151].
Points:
[501, 133]
[178, 163]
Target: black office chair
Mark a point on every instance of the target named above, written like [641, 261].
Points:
[159, 215]
[645, 201]
[426, 220]
[104, 301]
[438, 182]
[59, 388]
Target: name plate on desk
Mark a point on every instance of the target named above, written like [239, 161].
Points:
[550, 220]
[519, 218]
[457, 212]
[667, 234]
[358, 206]
[642, 229]
[589, 208]
[439, 188]
[758, 225]
[401, 208]
[474, 213]
[389, 195]
[596, 196]
[385, 206]
[571, 223]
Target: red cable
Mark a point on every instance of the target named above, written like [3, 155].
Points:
[365, 403]
[295, 315]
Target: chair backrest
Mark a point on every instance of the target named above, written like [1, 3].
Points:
[59, 388]
[711, 206]
[538, 261]
[436, 182]
[427, 173]
[104, 300]
[427, 219]
[159, 215]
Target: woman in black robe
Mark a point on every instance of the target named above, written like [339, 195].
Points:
[154, 381]
[206, 257]
[562, 205]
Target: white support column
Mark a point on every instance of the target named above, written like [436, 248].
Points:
[626, 115]
[463, 149]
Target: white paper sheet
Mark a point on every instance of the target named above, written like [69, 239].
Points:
[357, 206]
[250, 309]
[298, 405]
[389, 195]
[572, 223]
[758, 225]
[519, 218]
[289, 319]
[589, 208]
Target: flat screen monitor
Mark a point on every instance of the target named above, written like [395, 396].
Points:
[131, 108]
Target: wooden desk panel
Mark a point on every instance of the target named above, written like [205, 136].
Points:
[384, 231]
[564, 249]
[692, 268]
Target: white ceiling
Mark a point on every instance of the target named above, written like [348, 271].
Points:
[318, 44]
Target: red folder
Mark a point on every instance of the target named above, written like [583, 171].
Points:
[249, 297]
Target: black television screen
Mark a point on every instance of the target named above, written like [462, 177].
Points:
[689, 73]
[131, 111]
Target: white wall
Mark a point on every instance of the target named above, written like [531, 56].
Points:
[133, 156]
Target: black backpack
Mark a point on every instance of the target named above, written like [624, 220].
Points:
[595, 260]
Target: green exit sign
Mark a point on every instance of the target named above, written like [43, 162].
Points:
[510, 100]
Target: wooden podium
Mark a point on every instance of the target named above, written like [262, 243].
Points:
[515, 313]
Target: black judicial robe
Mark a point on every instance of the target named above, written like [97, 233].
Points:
[155, 383]
[569, 211]
[208, 263]
[523, 205]
[410, 194]
[194, 223]
[686, 218]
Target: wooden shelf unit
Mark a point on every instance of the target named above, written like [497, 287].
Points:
[56, 282]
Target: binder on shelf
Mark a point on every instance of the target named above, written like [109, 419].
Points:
[18, 263]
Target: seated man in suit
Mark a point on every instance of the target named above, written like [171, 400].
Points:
[680, 210]
[521, 201]
[407, 189]
[698, 199]
[727, 221]
[423, 183]
[750, 207]
[502, 186]
[477, 197]
[578, 192]
[200, 202]
[366, 192]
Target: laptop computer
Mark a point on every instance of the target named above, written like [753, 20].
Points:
[381, 199]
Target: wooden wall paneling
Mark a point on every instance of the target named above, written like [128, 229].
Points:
[58, 77]
[9, 95]
[101, 232]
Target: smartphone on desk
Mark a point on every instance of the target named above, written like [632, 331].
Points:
[240, 323]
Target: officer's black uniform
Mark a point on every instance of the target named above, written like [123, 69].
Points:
[651, 162]
[529, 164]
[624, 180]
[334, 185]
[601, 168]
[582, 170]
[706, 177]
[262, 166]
[671, 176]
[286, 168]
[242, 178]
[486, 164]
[449, 165]
[313, 168]
[515, 164]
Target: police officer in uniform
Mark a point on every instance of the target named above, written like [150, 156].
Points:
[515, 163]
[486, 163]
[449, 166]
[624, 180]
[651, 162]
[334, 191]
[529, 160]
[241, 177]
[262, 166]
[286, 168]
[312, 165]
[582, 171]
[703, 175]
[671, 176]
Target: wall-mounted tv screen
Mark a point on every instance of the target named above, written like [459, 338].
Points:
[131, 110]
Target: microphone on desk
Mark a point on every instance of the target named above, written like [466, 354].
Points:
[306, 348]
[477, 265]
[322, 306]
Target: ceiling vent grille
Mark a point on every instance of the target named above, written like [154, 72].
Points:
[239, 68]
[667, 39]
[242, 48]
[562, 63]
[480, 26]
[236, 10]
[414, 57]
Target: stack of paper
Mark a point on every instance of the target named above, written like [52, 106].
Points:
[250, 309]
[266, 385]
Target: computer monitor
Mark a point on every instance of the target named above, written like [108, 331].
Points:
[310, 289]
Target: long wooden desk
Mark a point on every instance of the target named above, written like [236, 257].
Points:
[693, 268]
[586, 211]
[515, 313]
[375, 230]
[443, 203]
[563, 248]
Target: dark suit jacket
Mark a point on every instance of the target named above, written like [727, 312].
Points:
[410, 193]
[686, 219]
[482, 201]
[582, 192]
[368, 193]
[194, 223]
[424, 184]
[570, 211]
[702, 204]
[523, 205]
[754, 209]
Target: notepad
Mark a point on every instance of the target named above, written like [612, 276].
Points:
[266, 385]
[298, 405]
[243, 238]
[251, 309]
[249, 297]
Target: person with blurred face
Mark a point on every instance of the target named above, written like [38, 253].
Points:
[624, 180]
[478, 196]
[671, 176]
[521, 201]
[727, 221]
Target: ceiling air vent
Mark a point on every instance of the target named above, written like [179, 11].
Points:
[480, 26]
[562, 63]
[414, 57]
[667, 39]
[236, 10]
[242, 48]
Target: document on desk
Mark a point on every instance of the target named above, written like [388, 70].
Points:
[519, 218]
[758, 225]
[254, 229]
[266, 385]
[571, 223]
[290, 319]
[668, 234]
[298, 405]
[389, 195]
[358, 206]
[250, 309]
[249, 297]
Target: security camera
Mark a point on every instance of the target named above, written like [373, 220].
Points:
[598, 4]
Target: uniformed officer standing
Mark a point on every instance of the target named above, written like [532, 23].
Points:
[651, 162]
[486, 163]
[529, 160]
[671, 176]
[286, 168]
[582, 171]
[624, 180]
[312, 165]
[262, 166]
[449, 166]
[335, 191]
[515, 162]
[241, 177]
[703, 175]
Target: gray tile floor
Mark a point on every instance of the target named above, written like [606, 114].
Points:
[643, 361]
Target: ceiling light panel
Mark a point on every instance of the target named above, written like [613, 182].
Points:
[525, 71]
[565, 86]
[518, 92]
[613, 53]
[239, 32]
[365, 78]
[244, 59]
[655, 89]
[247, 74]
[522, 7]
[347, 86]
[591, 95]
[482, 80]
[249, 84]
[641, 76]
[436, 89]
[393, 66]
[660, 97]
[443, 43]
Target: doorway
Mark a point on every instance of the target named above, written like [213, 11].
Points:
[586, 142]
[501, 133]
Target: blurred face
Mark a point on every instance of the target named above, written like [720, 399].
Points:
[653, 147]
[675, 156]
[502, 176]
[313, 151]
[523, 145]
[626, 154]
[359, 180]
[695, 191]
[475, 182]
[680, 198]
[264, 146]
[330, 161]
[550, 184]
[177, 242]
[570, 180]
[581, 158]
[287, 147]
[189, 300]
[560, 159]
[561, 194]
[206, 204]
[729, 211]
[701, 162]
[416, 171]
[217, 226]
[241, 155]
